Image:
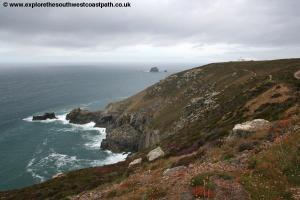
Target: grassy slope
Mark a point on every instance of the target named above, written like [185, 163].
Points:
[72, 183]
[238, 83]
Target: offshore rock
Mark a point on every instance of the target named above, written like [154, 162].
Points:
[44, 117]
[135, 162]
[154, 69]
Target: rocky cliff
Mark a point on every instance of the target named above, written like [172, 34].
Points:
[197, 105]
[221, 131]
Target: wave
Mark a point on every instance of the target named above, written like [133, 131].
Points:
[43, 167]
[62, 119]
[33, 173]
[94, 141]
[57, 163]
[114, 157]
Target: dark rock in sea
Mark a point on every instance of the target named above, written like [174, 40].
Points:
[44, 117]
[154, 69]
[79, 116]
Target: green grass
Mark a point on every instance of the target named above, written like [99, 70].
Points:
[155, 192]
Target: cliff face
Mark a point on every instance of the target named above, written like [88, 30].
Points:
[197, 105]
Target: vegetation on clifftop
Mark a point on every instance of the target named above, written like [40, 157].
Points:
[190, 115]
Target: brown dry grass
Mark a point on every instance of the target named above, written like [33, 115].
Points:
[283, 91]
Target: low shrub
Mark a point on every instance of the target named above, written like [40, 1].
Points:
[202, 192]
[156, 192]
[275, 171]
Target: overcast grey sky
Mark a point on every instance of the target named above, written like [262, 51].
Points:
[152, 31]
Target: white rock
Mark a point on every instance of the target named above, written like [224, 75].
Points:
[58, 175]
[297, 74]
[155, 153]
[251, 127]
[135, 162]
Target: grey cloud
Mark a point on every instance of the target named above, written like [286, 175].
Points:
[255, 23]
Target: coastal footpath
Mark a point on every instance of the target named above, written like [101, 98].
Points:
[224, 130]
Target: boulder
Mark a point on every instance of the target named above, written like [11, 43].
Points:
[44, 116]
[174, 170]
[155, 154]
[135, 162]
[297, 74]
[249, 127]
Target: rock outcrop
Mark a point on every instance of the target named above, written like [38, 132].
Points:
[44, 117]
[149, 138]
[155, 154]
[80, 116]
[125, 132]
[249, 127]
[122, 139]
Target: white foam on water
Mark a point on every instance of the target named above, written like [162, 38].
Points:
[94, 140]
[114, 157]
[45, 141]
[61, 162]
[28, 119]
[32, 171]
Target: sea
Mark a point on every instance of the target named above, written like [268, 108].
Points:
[33, 152]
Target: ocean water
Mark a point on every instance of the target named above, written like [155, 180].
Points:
[32, 152]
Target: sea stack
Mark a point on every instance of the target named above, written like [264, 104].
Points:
[154, 69]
